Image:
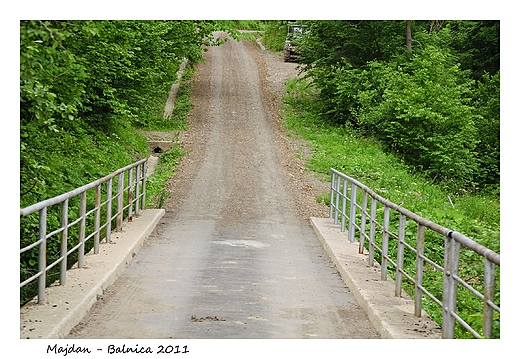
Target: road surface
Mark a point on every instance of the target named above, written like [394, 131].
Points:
[234, 257]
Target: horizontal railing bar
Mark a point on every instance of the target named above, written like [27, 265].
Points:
[90, 235]
[431, 296]
[423, 290]
[31, 246]
[59, 230]
[91, 211]
[468, 286]
[464, 324]
[58, 199]
[57, 261]
[428, 260]
[467, 242]
[432, 263]
[412, 249]
[29, 280]
[379, 249]
[73, 249]
[76, 221]
[393, 235]
[390, 260]
[379, 225]
[409, 277]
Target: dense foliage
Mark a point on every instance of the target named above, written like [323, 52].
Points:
[435, 105]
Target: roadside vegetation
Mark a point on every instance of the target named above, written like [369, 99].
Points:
[419, 128]
[155, 190]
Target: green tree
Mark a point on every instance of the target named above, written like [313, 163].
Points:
[478, 46]
[428, 103]
[52, 83]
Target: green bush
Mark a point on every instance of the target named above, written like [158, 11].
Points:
[421, 110]
[487, 103]
[424, 115]
[274, 35]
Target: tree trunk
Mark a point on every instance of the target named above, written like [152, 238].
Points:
[409, 38]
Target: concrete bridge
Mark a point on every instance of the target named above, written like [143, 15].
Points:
[67, 306]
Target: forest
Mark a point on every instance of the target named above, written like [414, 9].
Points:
[429, 91]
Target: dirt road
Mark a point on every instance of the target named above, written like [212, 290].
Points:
[235, 256]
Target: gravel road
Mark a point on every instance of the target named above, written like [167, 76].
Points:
[235, 256]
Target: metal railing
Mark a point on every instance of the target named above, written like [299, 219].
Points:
[95, 198]
[344, 204]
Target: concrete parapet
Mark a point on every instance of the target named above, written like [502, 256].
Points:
[392, 316]
[66, 305]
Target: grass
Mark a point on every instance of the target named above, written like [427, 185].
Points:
[156, 194]
[177, 122]
[475, 215]
[156, 191]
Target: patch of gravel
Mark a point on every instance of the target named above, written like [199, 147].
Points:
[306, 187]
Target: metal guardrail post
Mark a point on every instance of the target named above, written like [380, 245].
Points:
[82, 211]
[42, 255]
[331, 206]
[400, 256]
[119, 214]
[143, 204]
[64, 239]
[384, 244]
[336, 202]
[419, 263]
[363, 224]
[352, 216]
[137, 184]
[371, 249]
[108, 228]
[449, 295]
[344, 204]
[130, 195]
[97, 219]
[489, 293]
